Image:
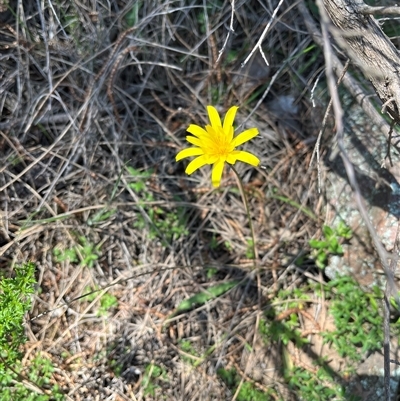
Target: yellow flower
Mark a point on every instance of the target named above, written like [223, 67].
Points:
[216, 145]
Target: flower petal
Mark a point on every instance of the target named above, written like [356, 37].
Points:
[211, 131]
[229, 136]
[194, 141]
[231, 159]
[196, 164]
[245, 136]
[246, 157]
[216, 174]
[211, 159]
[229, 118]
[196, 130]
[188, 153]
[214, 117]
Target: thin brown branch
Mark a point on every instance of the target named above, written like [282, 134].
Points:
[370, 10]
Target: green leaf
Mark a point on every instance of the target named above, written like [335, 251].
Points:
[202, 297]
[328, 231]
[100, 216]
[334, 246]
[316, 244]
[344, 231]
[131, 17]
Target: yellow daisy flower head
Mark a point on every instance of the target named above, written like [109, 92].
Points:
[216, 145]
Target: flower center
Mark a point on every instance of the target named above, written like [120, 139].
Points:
[221, 146]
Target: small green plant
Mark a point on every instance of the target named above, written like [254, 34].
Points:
[214, 242]
[88, 251]
[187, 347]
[15, 302]
[67, 254]
[14, 160]
[84, 250]
[101, 216]
[202, 297]
[152, 374]
[285, 330]
[107, 301]
[309, 386]
[165, 224]
[303, 383]
[358, 318]
[330, 245]
[38, 374]
[248, 391]
[228, 246]
[211, 272]
[250, 249]
[132, 16]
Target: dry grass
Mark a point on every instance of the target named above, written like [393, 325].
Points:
[91, 96]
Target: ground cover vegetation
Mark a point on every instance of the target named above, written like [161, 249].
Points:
[123, 278]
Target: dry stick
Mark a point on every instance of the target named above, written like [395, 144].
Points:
[389, 141]
[44, 119]
[57, 19]
[317, 145]
[352, 178]
[231, 30]
[386, 318]
[314, 87]
[259, 43]
[46, 44]
[111, 80]
[381, 10]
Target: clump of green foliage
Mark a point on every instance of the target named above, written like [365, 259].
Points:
[288, 329]
[330, 244]
[84, 250]
[15, 302]
[358, 318]
[358, 330]
[319, 386]
[247, 391]
[187, 347]
[107, 301]
[152, 374]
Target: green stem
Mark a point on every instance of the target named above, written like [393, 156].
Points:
[246, 205]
